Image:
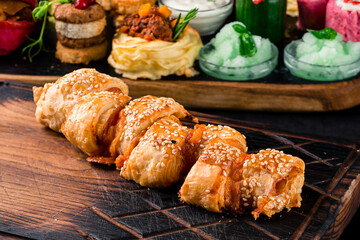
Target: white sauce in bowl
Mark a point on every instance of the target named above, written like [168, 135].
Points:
[201, 4]
[210, 17]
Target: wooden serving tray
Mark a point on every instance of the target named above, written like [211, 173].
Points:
[49, 191]
[280, 91]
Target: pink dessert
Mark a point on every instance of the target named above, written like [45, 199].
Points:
[344, 17]
[311, 14]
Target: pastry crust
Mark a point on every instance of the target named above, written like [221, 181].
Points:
[157, 161]
[149, 144]
[205, 184]
[202, 135]
[89, 118]
[266, 182]
[137, 117]
[54, 101]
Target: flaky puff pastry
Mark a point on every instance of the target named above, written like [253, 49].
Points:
[205, 183]
[137, 117]
[157, 161]
[54, 101]
[269, 181]
[89, 119]
[266, 182]
[202, 134]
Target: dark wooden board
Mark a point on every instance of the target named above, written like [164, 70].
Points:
[280, 91]
[49, 191]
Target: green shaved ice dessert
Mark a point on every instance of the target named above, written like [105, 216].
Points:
[323, 59]
[235, 54]
[325, 52]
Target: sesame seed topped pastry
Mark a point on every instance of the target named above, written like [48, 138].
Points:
[205, 184]
[273, 179]
[149, 144]
[88, 120]
[158, 160]
[54, 101]
[137, 117]
[202, 134]
[226, 180]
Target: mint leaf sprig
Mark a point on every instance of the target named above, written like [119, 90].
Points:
[247, 46]
[39, 12]
[326, 33]
[180, 25]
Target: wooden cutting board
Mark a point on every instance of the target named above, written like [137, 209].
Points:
[49, 191]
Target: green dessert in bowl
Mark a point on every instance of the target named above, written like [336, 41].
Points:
[235, 54]
[323, 56]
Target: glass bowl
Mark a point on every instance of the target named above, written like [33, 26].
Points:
[206, 22]
[241, 73]
[317, 72]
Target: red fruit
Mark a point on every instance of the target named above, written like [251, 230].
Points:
[91, 2]
[81, 4]
[13, 34]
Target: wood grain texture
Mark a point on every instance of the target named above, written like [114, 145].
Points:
[49, 191]
[238, 95]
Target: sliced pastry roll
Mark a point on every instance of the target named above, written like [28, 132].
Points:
[266, 182]
[137, 117]
[157, 161]
[202, 135]
[54, 101]
[270, 181]
[88, 122]
[205, 183]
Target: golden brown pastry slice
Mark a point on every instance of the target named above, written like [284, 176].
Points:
[157, 161]
[203, 134]
[54, 101]
[90, 118]
[270, 181]
[266, 182]
[137, 117]
[205, 183]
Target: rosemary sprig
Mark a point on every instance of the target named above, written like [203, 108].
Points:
[180, 25]
[39, 12]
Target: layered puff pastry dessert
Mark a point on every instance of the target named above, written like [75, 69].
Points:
[149, 145]
[144, 46]
[81, 33]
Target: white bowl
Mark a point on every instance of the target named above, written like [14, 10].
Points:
[206, 22]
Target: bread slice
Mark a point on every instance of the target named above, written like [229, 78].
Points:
[82, 55]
